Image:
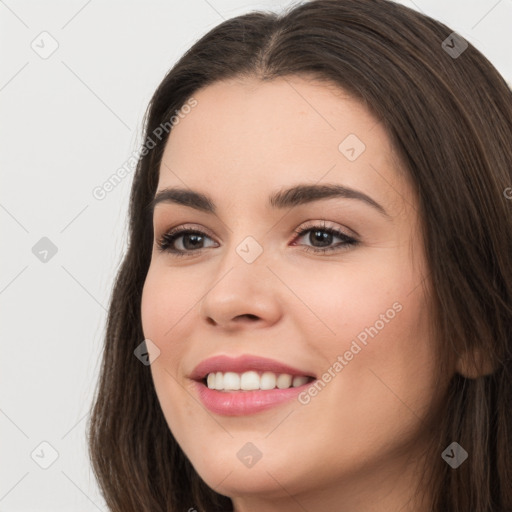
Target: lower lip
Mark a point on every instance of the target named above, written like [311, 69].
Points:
[240, 403]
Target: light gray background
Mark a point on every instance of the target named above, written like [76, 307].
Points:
[68, 122]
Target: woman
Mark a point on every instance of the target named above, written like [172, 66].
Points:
[314, 311]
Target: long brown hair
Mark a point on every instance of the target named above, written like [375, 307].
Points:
[449, 116]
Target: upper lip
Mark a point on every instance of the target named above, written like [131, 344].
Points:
[243, 364]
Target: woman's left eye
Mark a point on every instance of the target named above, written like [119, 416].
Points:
[324, 236]
[192, 240]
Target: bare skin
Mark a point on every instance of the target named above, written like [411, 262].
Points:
[356, 444]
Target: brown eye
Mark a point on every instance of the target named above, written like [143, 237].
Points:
[321, 238]
[190, 241]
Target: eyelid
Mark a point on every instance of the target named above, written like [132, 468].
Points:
[184, 227]
[326, 224]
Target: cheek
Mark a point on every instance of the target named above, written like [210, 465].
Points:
[377, 322]
[166, 309]
[389, 370]
[171, 299]
[347, 302]
[168, 298]
[378, 394]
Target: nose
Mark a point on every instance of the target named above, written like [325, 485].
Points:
[242, 294]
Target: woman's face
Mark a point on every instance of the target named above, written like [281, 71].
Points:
[248, 286]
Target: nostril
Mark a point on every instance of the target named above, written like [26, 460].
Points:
[249, 316]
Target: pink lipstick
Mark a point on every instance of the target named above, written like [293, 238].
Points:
[247, 384]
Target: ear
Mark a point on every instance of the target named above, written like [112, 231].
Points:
[474, 363]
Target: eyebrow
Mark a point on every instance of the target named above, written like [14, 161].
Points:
[287, 198]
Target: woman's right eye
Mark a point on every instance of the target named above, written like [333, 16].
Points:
[190, 240]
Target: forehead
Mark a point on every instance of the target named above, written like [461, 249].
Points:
[246, 134]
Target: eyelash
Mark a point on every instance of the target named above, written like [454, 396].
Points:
[166, 241]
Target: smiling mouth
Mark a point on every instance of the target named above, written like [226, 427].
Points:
[253, 381]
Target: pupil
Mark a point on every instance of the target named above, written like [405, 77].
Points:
[322, 237]
[194, 244]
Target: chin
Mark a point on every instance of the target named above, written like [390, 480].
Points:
[227, 475]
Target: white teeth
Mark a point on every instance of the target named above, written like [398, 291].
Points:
[268, 380]
[284, 381]
[299, 381]
[252, 380]
[219, 381]
[249, 380]
[231, 381]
